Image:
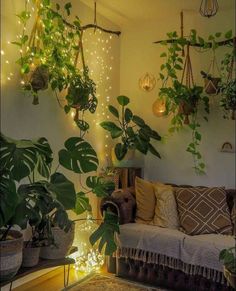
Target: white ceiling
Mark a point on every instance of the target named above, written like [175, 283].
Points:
[122, 12]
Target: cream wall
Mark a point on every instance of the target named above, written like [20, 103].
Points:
[21, 119]
[138, 56]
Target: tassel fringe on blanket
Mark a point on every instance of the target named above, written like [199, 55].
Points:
[160, 259]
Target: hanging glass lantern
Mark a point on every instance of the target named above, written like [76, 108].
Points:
[147, 82]
[159, 108]
[209, 8]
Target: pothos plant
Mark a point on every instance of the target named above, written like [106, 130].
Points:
[131, 129]
[49, 57]
[183, 99]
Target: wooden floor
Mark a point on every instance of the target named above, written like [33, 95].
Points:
[52, 281]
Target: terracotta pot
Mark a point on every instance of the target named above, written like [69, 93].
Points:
[63, 242]
[186, 109]
[30, 255]
[10, 255]
[211, 86]
[230, 277]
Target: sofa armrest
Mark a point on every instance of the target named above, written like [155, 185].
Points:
[122, 203]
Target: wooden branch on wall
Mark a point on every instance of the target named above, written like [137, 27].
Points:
[88, 26]
[209, 44]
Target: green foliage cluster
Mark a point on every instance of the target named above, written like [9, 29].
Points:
[228, 256]
[184, 101]
[131, 129]
[43, 202]
[49, 56]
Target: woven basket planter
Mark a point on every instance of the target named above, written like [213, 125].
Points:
[63, 242]
[231, 278]
[30, 255]
[11, 255]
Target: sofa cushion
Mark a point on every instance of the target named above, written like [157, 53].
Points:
[203, 210]
[145, 201]
[166, 214]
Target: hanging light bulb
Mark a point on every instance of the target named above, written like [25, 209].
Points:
[159, 108]
[209, 8]
[147, 82]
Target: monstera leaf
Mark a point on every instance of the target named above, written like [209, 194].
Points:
[106, 233]
[20, 157]
[82, 203]
[9, 200]
[79, 156]
[99, 186]
[63, 189]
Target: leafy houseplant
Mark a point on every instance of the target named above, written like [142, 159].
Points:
[48, 61]
[131, 129]
[182, 100]
[228, 256]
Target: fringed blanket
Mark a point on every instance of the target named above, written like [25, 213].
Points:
[194, 255]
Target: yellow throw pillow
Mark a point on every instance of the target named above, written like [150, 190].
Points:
[145, 200]
[166, 214]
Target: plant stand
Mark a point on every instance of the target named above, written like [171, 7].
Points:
[44, 264]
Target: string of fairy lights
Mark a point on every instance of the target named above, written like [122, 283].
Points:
[98, 51]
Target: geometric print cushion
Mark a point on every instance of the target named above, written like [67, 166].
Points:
[203, 210]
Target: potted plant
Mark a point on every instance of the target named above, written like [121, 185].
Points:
[228, 257]
[131, 130]
[11, 241]
[211, 83]
[228, 100]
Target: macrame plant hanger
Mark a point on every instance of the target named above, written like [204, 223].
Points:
[187, 108]
[211, 82]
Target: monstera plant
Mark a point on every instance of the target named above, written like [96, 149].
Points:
[46, 197]
[131, 130]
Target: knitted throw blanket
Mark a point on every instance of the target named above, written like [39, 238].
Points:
[194, 255]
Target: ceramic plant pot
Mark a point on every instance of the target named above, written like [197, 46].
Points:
[10, 255]
[212, 86]
[30, 255]
[230, 277]
[63, 242]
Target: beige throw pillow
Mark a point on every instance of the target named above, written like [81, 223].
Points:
[203, 210]
[166, 214]
[145, 201]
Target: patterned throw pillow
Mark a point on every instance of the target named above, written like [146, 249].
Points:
[203, 210]
[145, 201]
[166, 214]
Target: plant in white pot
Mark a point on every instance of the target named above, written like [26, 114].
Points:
[131, 130]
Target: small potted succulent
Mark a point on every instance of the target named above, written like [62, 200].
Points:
[131, 130]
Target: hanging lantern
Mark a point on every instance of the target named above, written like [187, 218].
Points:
[159, 108]
[147, 82]
[209, 8]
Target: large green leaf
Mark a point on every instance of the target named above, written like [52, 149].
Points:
[128, 115]
[82, 203]
[120, 151]
[138, 120]
[9, 200]
[113, 110]
[106, 233]
[114, 130]
[79, 156]
[123, 100]
[141, 145]
[99, 186]
[64, 190]
[153, 151]
[20, 157]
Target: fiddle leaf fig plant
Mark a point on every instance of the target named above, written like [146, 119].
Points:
[131, 129]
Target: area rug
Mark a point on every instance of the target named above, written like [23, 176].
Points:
[99, 282]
